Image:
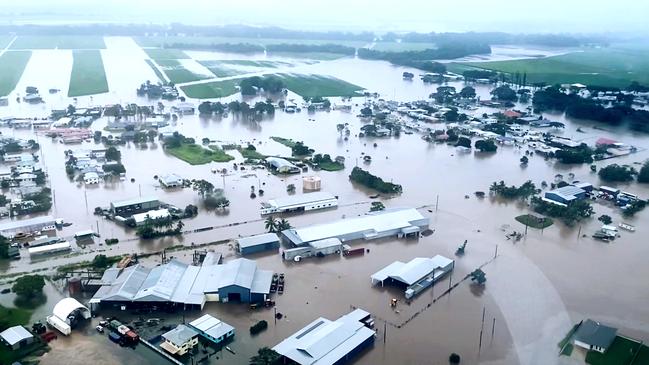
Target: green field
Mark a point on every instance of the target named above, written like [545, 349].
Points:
[614, 66]
[157, 71]
[254, 63]
[250, 154]
[88, 75]
[58, 42]
[160, 41]
[12, 66]
[166, 54]
[319, 56]
[177, 73]
[219, 70]
[285, 141]
[211, 90]
[621, 352]
[316, 85]
[331, 166]
[534, 221]
[402, 46]
[194, 154]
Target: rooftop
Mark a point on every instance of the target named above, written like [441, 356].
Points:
[568, 192]
[145, 199]
[179, 335]
[324, 342]
[211, 326]
[372, 223]
[15, 334]
[413, 271]
[259, 239]
[301, 199]
[44, 220]
[595, 334]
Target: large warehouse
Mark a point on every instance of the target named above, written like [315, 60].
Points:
[326, 342]
[178, 285]
[11, 228]
[299, 203]
[126, 208]
[393, 222]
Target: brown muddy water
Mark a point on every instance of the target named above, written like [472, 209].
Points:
[536, 289]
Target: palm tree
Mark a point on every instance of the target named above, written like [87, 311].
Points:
[271, 224]
[265, 356]
[283, 225]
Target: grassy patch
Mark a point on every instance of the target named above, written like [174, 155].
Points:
[316, 85]
[402, 46]
[88, 75]
[161, 41]
[58, 42]
[157, 71]
[253, 63]
[331, 166]
[166, 54]
[194, 154]
[320, 56]
[250, 154]
[612, 66]
[285, 141]
[533, 221]
[10, 317]
[177, 73]
[621, 352]
[220, 155]
[12, 66]
[210, 90]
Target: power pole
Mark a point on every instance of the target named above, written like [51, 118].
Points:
[493, 329]
[481, 329]
[437, 203]
[385, 330]
[496, 253]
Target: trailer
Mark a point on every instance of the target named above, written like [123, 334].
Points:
[354, 252]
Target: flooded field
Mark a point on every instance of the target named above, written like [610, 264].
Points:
[536, 289]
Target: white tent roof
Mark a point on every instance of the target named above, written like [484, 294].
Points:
[65, 306]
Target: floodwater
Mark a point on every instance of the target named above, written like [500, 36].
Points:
[536, 289]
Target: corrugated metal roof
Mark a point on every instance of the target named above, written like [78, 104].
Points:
[123, 203]
[239, 272]
[211, 326]
[45, 220]
[261, 282]
[179, 335]
[413, 271]
[15, 334]
[595, 334]
[371, 223]
[260, 239]
[300, 199]
[324, 342]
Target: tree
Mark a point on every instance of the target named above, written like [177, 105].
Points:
[643, 175]
[486, 145]
[113, 154]
[290, 188]
[478, 276]
[504, 93]
[203, 187]
[28, 285]
[617, 172]
[270, 224]
[605, 219]
[454, 358]
[283, 225]
[191, 210]
[464, 142]
[265, 356]
[524, 160]
[4, 247]
[100, 262]
[467, 92]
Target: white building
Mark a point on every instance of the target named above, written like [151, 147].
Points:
[311, 183]
[299, 203]
[66, 313]
[179, 340]
[171, 181]
[140, 218]
[90, 178]
[417, 275]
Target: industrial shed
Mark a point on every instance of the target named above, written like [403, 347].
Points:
[178, 285]
[416, 275]
[66, 314]
[566, 194]
[326, 342]
[16, 337]
[299, 203]
[31, 225]
[126, 208]
[257, 243]
[386, 223]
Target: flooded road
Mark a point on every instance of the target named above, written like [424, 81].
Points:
[536, 289]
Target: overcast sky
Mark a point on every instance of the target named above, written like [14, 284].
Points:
[524, 16]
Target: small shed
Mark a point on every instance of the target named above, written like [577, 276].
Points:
[594, 336]
[16, 337]
[257, 243]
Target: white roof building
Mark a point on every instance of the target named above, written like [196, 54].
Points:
[326, 342]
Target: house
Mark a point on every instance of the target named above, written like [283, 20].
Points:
[299, 203]
[566, 194]
[185, 108]
[258, 243]
[171, 181]
[16, 337]
[179, 340]
[594, 336]
[212, 329]
[326, 342]
[90, 178]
